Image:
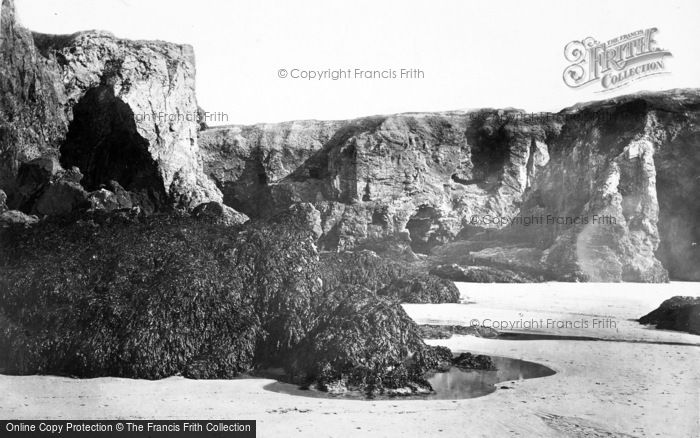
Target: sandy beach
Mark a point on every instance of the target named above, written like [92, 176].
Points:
[636, 381]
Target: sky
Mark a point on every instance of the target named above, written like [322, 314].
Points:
[466, 54]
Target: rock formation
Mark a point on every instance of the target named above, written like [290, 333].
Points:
[116, 109]
[160, 295]
[676, 313]
[597, 192]
[611, 183]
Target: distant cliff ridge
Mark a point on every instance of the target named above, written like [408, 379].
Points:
[611, 183]
[604, 191]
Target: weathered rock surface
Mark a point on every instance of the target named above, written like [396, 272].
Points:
[117, 109]
[373, 177]
[114, 198]
[60, 198]
[15, 217]
[677, 313]
[589, 173]
[219, 213]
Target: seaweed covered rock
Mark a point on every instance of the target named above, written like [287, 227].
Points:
[436, 358]
[128, 295]
[365, 344]
[389, 278]
[278, 264]
[676, 313]
[422, 289]
[481, 274]
[474, 362]
[364, 268]
[433, 331]
[115, 297]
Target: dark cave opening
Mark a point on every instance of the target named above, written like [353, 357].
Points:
[103, 142]
[420, 228]
[490, 150]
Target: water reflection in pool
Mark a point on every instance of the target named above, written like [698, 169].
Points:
[454, 384]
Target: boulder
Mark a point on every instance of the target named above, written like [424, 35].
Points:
[15, 217]
[435, 358]
[60, 198]
[676, 313]
[473, 362]
[219, 213]
[33, 178]
[107, 200]
[335, 354]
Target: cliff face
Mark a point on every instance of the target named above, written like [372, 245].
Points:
[31, 115]
[379, 176]
[602, 191]
[599, 192]
[116, 109]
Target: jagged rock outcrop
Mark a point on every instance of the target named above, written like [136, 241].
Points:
[378, 176]
[589, 173]
[117, 109]
[616, 177]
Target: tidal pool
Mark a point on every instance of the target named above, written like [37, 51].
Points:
[453, 384]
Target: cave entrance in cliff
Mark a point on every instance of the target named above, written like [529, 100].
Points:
[103, 142]
[420, 228]
[490, 150]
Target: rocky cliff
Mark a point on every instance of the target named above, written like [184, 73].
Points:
[118, 110]
[597, 192]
